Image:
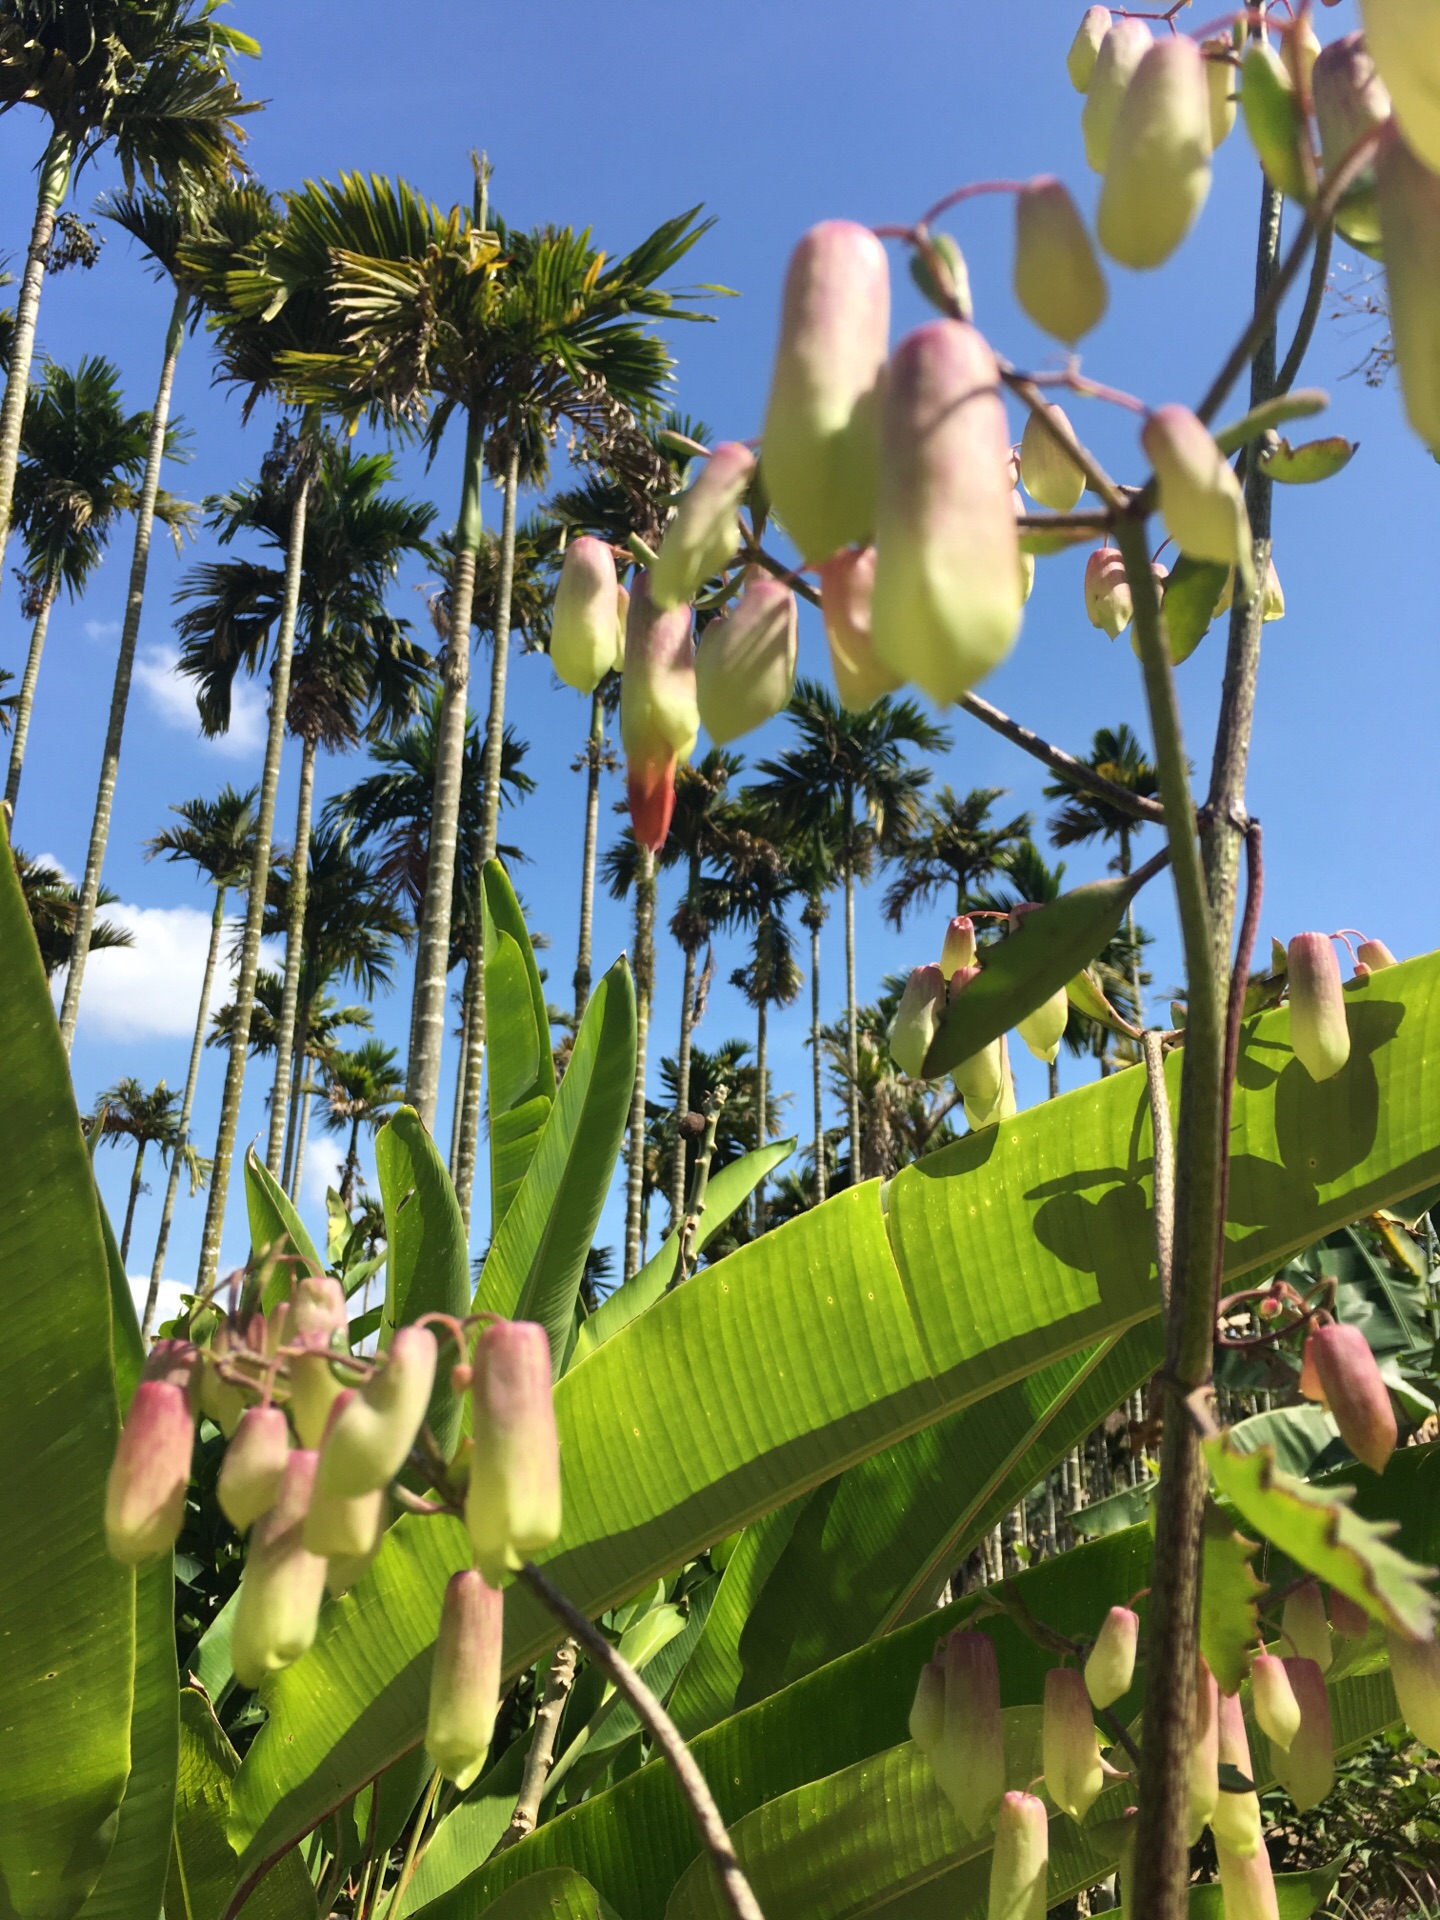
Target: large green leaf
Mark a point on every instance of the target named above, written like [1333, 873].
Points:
[273, 1220]
[202, 1863]
[535, 1262]
[557, 1894]
[67, 1610]
[517, 1038]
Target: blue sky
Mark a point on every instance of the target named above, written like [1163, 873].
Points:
[773, 117]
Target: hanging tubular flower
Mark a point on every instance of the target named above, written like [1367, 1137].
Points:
[1204, 1751]
[1120, 53]
[818, 453]
[465, 1679]
[367, 1441]
[1073, 1773]
[927, 1712]
[622, 616]
[1058, 280]
[1304, 1624]
[1274, 120]
[1020, 1861]
[1277, 1711]
[1401, 36]
[1043, 1030]
[659, 718]
[1247, 1882]
[957, 950]
[145, 1493]
[704, 536]
[1319, 1033]
[1109, 604]
[1157, 170]
[1350, 99]
[847, 582]
[1306, 1769]
[254, 1466]
[969, 1761]
[283, 1583]
[916, 1019]
[1374, 955]
[1201, 501]
[1354, 1392]
[1236, 1819]
[319, 1322]
[1222, 82]
[1415, 1671]
[1409, 195]
[1347, 1617]
[745, 663]
[1085, 47]
[512, 1503]
[948, 590]
[1110, 1666]
[1049, 475]
[582, 620]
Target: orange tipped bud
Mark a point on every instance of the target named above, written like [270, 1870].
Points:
[1043, 1030]
[1354, 1392]
[1201, 501]
[254, 1466]
[1375, 955]
[465, 1679]
[1307, 1769]
[916, 1019]
[512, 1503]
[1350, 99]
[969, 1762]
[1347, 1617]
[283, 1583]
[1110, 1667]
[1415, 1671]
[1304, 1624]
[958, 947]
[1401, 36]
[1409, 196]
[368, 1439]
[1051, 477]
[145, 1494]
[659, 718]
[1157, 174]
[745, 663]
[1204, 1751]
[704, 535]
[819, 449]
[1085, 47]
[1121, 52]
[1277, 1711]
[1236, 1819]
[1020, 1861]
[1073, 1774]
[1247, 1883]
[927, 1713]
[582, 622]
[1222, 83]
[1275, 120]
[1058, 280]
[1108, 600]
[1319, 1033]
[947, 572]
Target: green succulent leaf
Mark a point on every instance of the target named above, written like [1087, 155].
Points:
[274, 1226]
[1228, 1592]
[1193, 591]
[1297, 405]
[1088, 997]
[427, 1269]
[1311, 461]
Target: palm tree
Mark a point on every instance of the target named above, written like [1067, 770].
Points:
[628, 868]
[843, 761]
[145, 77]
[127, 1112]
[811, 861]
[1116, 753]
[160, 223]
[903, 1119]
[217, 837]
[50, 900]
[354, 669]
[951, 843]
[363, 1086]
[729, 1066]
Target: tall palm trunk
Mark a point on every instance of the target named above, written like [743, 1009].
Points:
[302, 1135]
[432, 952]
[762, 1059]
[473, 1059]
[816, 1067]
[294, 955]
[259, 880]
[26, 701]
[182, 1138]
[352, 1165]
[124, 668]
[130, 1204]
[644, 985]
[467, 999]
[682, 1087]
[301, 1037]
[852, 1043]
[594, 751]
[54, 179]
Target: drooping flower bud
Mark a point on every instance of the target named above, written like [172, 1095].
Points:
[1110, 1666]
[969, 1762]
[1073, 1774]
[283, 1583]
[346, 1570]
[947, 597]
[1354, 1392]
[1109, 603]
[1307, 1769]
[847, 581]
[958, 947]
[1299, 49]
[659, 718]
[254, 1466]
[1020, 1861]
[1204, 1751]
[512, 1503]
[1347, 1617]
[1277, 1711]
[1201, 501]
[1085, 47]
[745, 663]
[1375, 955]
[1319, 1034]
[1157, 175]
[1304, 1624]
[218, 1399]
[368, 1439]
[582, 620]
[145, 1493]
[1309, 1382]
[1043, 1030]
[1350, 99]
[819, 447]
[318, 1322]
[927, 1713]
[1236, 1819]
[1222, 81]
[1051, 477]
[344, 1526]
[465, 1679]
[622, 616]
[1247, 1882]
[1058, 280]
[704, 535]
[980, 1080]
[1274, 120]
[916, 1019]
[1120, 53]
[1415, 1672]
[1409, 195]
[1401, 36]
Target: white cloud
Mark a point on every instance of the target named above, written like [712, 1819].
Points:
[168, 1303]
[172, 697]
[102, 629]
[54, 860]
[323, 1161]
[150, 990]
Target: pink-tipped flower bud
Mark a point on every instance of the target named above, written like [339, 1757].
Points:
[1222, 82]
[1085, 47]
[1043, 1030]
[1401, 36]
[283, 1583]
[1306, 1769]
[980, 1080]
[1319, 1033]
[1110, 1666]
[1355, 1393]
[318, 1322]
[916, 1020]
[346, 1570]
[254, 1466]
[1304, 1624]
[659, 718]
[1020, 1860]
[1277, 1711]
[1350, 99]
[145, 1494]
[927, 1712]
[1200, 499]
[969, 1762]
[957, 950]
[847, 582]
[368, 1439]
[1003, 1105]
[704, 536]
[1375, 956]
[1236, 1819]
[1415, 1672]
[745, 663]
[465, 1679]
[1347, 1617]
[1409, 197]
[1275, 120]
[1247, 1883]
[1109, 604]
[1204, 1751]
[1058, 280]
[512, 1504]
[1309, 1382]
[622, 616]
[1299, 49]
[1073, 1774]
[337, 1525]
[1157, 172]
[1120, 53]
[948, 592]
[582, 621]
[1051, 477]
[819, 448]
[175, 1361]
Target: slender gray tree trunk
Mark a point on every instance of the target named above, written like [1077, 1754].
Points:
[25, 703]
[682, 1089]
[762, 1060]
[432, 955]
[467, 999]
[294, 958]
[644, 984]
[54, 179]
[182, 1139]
[255, 908]
[352, 1166]
[301, 1039]
[124, 669]
[816, 1066]
[593, 755]
[852, 1043]
[302, 1135]
[1053, 1071]
[130, 1204]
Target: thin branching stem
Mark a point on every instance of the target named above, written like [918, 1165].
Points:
[1152, 1047]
